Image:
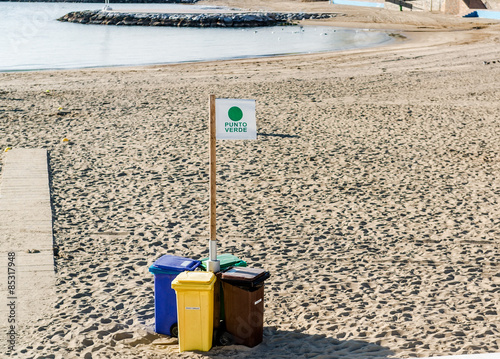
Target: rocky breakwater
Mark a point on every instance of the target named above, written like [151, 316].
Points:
[189, 20]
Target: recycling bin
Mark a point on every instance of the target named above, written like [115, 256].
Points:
[226, 260]
[165, 270]
[195, 305]
[244, 304]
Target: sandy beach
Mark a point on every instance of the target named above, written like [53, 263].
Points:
[371, 195]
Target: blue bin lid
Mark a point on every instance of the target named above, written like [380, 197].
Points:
[168, 263]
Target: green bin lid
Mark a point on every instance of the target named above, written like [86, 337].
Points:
[226, 260]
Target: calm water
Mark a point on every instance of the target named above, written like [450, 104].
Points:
[31, 39]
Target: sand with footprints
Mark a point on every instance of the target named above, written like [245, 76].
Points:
[371, 195]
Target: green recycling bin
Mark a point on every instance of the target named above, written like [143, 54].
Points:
[226, 261]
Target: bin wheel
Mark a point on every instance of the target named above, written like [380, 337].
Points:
[174, 330]
[226, 339]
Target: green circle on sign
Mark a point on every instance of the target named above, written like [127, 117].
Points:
[235, 113]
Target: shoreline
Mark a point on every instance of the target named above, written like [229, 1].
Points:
[386, 39]
[415, 24]
[148, 54]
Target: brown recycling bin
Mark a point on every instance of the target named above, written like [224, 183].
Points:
[244, 304]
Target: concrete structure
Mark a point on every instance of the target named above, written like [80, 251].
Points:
[462, 7]
[358, 3]
[453, 7]
[434, 5]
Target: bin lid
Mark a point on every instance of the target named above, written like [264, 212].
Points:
[194, 280]
[226, 260]
[243, 274]
[169, 263]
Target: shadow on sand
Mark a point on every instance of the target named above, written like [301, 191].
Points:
[284, 344]
[292, 344]
[280, 135]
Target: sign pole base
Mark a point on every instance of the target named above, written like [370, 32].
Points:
[213, 265]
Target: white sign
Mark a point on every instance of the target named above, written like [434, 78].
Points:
[235, 119]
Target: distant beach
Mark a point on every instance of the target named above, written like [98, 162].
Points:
[371, 193]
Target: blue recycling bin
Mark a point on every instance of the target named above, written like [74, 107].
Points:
[165, 269]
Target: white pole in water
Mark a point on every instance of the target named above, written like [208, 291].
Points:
[213, 265]
[106, 6]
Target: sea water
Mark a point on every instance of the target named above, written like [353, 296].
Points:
[32, 39]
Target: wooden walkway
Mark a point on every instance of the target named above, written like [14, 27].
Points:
[26, 243]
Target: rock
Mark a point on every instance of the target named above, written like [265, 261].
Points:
[188, 20]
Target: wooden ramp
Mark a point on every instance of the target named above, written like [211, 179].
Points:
[26, 243]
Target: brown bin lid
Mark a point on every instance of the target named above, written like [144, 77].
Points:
[243, 274]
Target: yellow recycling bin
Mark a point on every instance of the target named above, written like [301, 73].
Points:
[195, 309]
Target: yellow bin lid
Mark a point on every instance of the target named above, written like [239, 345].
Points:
[194, 280]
